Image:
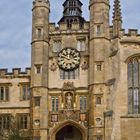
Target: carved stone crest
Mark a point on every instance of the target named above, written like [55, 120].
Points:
[68, 85]
[53, 67]
[85, 66]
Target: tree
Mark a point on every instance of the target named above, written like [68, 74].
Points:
[12, 133]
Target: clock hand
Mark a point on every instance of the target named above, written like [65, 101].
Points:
[67, 57]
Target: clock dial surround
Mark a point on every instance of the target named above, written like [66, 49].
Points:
[69, 59]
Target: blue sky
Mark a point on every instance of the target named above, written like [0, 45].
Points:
[16, 21]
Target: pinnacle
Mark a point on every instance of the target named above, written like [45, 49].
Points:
[117, 15]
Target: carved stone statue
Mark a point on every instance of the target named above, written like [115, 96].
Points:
[69, 101]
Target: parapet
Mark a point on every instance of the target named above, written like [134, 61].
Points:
[131, 32]
[132, 36]
[16, 72]
[63, 27]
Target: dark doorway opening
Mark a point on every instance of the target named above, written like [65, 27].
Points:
[69, 132]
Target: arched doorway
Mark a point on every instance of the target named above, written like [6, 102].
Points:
[69, 132]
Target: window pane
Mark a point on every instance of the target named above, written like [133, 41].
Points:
[136, 101]
[136, 72]
[66, 75]
[2, 96]
[85, 103]
[130, 101]
[28, 92]
[78, 46]
[37, 101]
[76, 73]
[130, 74]
[98, 29]
[83, 48]
[53, 104]
[23, 92]
[81, 45]
[81, 103]
[7, 93]
[61, 74]
[2, 93]
[72, 75]
[56, 104]
[23, 121]
[57, 46]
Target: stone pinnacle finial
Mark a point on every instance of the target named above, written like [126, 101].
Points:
[117, 17]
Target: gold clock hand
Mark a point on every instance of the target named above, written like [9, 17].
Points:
[67, 57]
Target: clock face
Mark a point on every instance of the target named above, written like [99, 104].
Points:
[68, 59]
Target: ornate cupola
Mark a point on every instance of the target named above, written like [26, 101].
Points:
[72, 13]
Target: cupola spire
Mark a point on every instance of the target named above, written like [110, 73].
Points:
[117, 18]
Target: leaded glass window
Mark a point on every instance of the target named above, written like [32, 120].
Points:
[5, 121]
[74, 74]
[25, 92]
[4, 93]
[55, 103]
[134, 86]
[83, 103]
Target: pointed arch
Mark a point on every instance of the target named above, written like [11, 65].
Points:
[133, 74]
[82, 129]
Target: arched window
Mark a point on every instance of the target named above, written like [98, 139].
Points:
[134, 86]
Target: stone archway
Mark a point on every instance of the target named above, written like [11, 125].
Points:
[68, 130]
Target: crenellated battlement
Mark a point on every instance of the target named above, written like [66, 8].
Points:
[16, 72]
[63, 27]
[130, 33]
[132, 36]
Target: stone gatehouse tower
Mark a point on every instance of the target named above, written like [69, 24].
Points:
[84, 80]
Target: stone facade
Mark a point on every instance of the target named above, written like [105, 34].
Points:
[92, 99]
